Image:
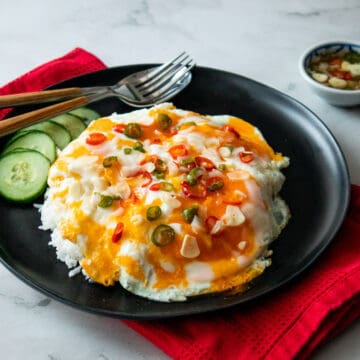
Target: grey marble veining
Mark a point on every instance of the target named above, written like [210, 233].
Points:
[259, 39]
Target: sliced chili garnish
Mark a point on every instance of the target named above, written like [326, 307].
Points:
[163, 235]
[204, 163]
[173, 132]
[194, 174]
[105, 201]
[160, 165]
[338, 73]
[147, 176]
[246, 156]
[133, 197]
[164, 121]
[197, 191]
[347, 76]
[189, 213]
[215, 183]
[231, 130]
[109, 161]
[178, 151]
[95, 138]
[138, 146]
[133, 130]
[188, 163]
[210, 222]
[164, 186]
[119, 128]
[116, 236]
[335, 61]
[153, 213]
[155, 187]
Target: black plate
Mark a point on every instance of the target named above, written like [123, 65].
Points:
[316, 189]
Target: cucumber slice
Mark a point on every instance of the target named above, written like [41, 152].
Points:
[23, 175]
[73, 124]
[14, 137]
[86, 114]
[56, 131]
[34, 140]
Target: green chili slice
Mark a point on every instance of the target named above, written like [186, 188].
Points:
[194, 174]
[188, 123]
[187, 162]
[216, 186]
[190, 212]
[162, 235]
[133, 130]
[127, 151]
[222, 167]
[105, 201]
[153, 213]
[159, 175]
[164, 121]
[160, 165]
[109, 161]
[138, 146]
[166, 186]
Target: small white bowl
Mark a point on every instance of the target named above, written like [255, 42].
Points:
[333, 96]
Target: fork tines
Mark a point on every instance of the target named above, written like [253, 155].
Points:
[165, 76]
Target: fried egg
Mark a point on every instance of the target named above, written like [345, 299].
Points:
[167, 202]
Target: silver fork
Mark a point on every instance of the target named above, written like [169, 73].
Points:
[141, 89]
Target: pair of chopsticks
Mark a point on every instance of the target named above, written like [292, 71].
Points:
[74, 98]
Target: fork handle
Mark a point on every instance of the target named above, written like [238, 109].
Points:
[14, 123]
[37, 97]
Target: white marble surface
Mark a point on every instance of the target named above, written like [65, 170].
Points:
[260, 39]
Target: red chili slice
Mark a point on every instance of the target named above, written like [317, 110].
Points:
[155, 187]
[197, 191]
[246, 156]
[95, 138]
[177, 151]
[231, 130]
[341, 74]
[119, 128]
[146, 175]
[133, 197]
[210, 222]
[204, 163]
[156, 141]
[335, 61]
[116, 236]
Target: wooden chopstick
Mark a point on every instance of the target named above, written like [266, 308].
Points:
[14, 123]
[38, 97]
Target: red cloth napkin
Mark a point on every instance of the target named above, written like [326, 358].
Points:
[74, 63]
[290, 323]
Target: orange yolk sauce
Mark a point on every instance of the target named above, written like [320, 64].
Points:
[102, 259]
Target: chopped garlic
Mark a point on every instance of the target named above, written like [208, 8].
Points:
[353, 68]
[225, 152]
[189, 248]
[233, 216]
[319, 77]
[242, 245]
[337, 83]
[218, 227]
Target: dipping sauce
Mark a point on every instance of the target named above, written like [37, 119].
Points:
[339, 70]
